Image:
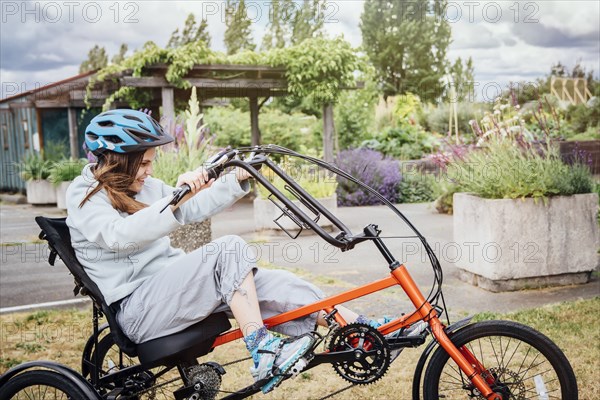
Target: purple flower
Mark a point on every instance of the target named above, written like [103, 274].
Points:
[373, 169]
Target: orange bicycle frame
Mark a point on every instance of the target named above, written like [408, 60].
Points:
[425, 311]
[465, 360]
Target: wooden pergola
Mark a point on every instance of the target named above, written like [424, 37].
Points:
[257, 83]
[213, 82]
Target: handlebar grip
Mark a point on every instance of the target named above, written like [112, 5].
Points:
[181, 191]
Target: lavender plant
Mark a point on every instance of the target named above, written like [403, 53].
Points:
[372, 168]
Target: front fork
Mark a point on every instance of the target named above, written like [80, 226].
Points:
[465, 360]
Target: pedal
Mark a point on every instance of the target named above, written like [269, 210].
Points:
[298, 367]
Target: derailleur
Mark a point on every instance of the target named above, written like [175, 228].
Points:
[205, 382]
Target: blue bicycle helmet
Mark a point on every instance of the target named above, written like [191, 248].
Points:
[124, 131]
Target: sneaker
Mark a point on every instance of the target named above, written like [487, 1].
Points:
[275, 353]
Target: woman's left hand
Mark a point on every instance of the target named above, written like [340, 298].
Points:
[241, 174]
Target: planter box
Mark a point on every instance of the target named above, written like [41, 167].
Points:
[40, 192]
[61, 195]
[515, 244]
[265, 212]
[192, 236]
[590, 148]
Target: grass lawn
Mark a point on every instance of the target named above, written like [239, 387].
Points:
[60, 336]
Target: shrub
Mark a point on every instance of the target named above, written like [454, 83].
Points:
[373, 169]
[506, 170]
[406, 142]
[437, 118]
[316, 182]
[354, 116]
[231, 127]
[583, 117]
[66, 170]
[416, 187]
[34, 167]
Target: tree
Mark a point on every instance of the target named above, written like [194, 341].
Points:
[464, 78]
[407, 41]
[191, 33]
[308, 20]
[277, 30]
[97, 58]
[117, 58]
[238, 35]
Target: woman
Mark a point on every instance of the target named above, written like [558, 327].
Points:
[121, 238]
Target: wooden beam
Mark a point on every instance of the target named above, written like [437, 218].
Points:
[328, 132]
[73, 138]
[168, 103]
[52, 104]
[255, 137]
[206, 83]
[224, 67]
[21, 104]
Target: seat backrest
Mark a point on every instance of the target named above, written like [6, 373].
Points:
[56, 232]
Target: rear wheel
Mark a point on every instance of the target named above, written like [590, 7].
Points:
[40, 385]
[524, 364]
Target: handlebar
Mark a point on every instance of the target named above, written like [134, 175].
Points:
[215, 168]
[344, 240]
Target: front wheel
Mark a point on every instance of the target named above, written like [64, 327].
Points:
[523, 363]
[40, 385]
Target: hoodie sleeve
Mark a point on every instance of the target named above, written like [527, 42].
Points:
[224, 192]
[110, 229]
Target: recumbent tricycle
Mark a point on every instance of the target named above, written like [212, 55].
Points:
[493, 360]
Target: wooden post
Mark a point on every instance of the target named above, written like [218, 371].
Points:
[73, 139]
[255, 138]
[168, 103]
[328, 132]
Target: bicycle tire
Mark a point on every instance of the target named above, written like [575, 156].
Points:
[57, 387]
[517, 363]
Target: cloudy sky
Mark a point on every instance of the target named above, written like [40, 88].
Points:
[43, 42]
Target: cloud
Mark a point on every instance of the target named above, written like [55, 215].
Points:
[547, 36]
[39, 45]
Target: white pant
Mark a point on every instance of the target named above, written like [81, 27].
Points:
[203, 282]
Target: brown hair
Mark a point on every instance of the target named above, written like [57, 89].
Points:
[115, 172]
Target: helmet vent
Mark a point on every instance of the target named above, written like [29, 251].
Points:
[113, 139]
[133, 117]
[106, 124]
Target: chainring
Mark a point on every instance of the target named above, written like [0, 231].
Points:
[372, 353]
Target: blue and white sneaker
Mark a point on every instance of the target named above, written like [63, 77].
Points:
[275, 353]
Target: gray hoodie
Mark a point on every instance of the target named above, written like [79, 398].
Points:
[120, 251]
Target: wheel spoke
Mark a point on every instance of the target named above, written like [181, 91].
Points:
[521, 359]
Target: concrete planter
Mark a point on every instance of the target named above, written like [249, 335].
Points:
[265, 212]
[515, 244]
[61, 195]
[40, 192]
[192, 236]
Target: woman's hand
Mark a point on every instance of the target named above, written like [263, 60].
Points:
[197, 180]
[241, 174]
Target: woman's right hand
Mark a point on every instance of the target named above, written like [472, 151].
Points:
[197, 180]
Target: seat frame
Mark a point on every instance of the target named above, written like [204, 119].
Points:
[181, 348]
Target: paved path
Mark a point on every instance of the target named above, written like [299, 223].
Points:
[25, 276]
